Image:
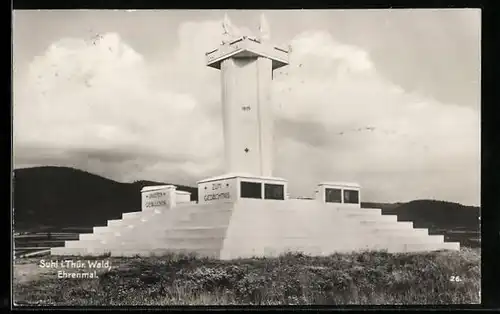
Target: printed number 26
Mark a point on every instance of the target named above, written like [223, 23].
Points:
[455, 279]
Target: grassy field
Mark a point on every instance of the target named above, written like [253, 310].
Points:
[291, 279]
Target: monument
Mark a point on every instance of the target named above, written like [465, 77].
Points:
[246, 66]
[246, 211]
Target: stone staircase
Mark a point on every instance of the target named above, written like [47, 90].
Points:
[250, 227]
[396, 236]
[187, 227]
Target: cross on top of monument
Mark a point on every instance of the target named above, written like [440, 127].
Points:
[265, 33]
[235, 45]
[230, 32]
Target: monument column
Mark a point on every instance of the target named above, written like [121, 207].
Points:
[246, 64]
[247, 115]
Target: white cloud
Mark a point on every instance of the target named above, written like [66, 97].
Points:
[339, 119]
[374, 132]
[98, 95]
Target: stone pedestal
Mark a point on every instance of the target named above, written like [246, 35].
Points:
[158, 197]
[231, 187]
[347, 194]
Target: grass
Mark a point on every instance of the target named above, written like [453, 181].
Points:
[292, 279]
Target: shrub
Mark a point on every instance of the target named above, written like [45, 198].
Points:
[292, 278]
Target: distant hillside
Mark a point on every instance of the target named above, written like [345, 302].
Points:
[433, 214]
[66, 197]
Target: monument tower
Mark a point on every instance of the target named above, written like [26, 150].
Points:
[246, 66]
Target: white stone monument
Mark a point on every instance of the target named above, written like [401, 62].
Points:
[246, 66]
[247, 211]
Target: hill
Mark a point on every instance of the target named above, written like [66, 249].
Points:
[65, 197]
[433, 214]
[444, 214]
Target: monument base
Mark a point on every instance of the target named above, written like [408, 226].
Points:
[347, 194]
[162, 197]
[234, 186]
[245, 227]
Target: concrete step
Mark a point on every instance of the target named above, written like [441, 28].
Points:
[72, 243]
[110, 232]
[206, 208]
[387, 224]
[215, 231]
[148, 228]
[169, 241]
[115, 223]
[106, 234]
[82, 243]
[144, 214]
[191, 237]
[205, 213]
[435, 238]
[131, 215]
[102, 229]
[368, 211]
[141, 232]
[111, 243]
[127, 226]
[139, 219]
[86, 236]
[411, 238]
[370, 217]
[214, 218]
[138, 232]
[399, 232]
[131, 227]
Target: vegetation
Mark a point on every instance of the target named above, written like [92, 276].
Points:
[359, 278]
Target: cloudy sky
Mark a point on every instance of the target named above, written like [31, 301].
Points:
[386, 98]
